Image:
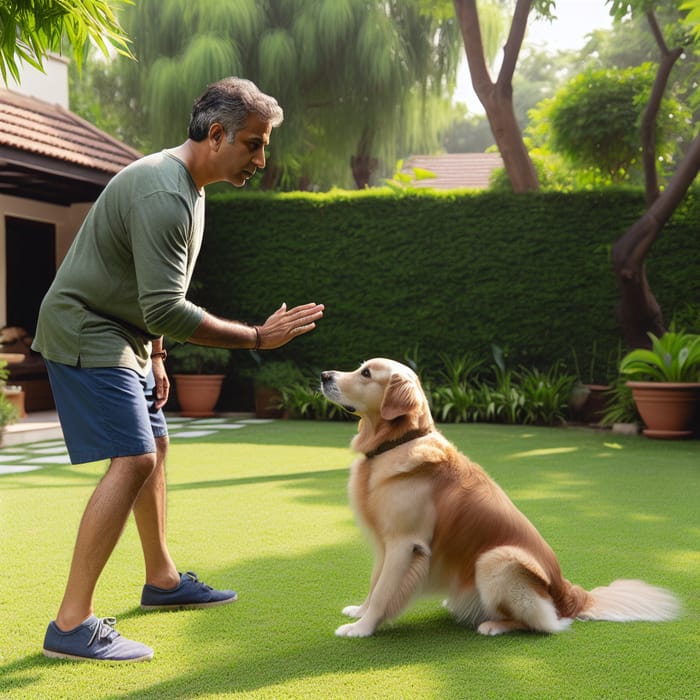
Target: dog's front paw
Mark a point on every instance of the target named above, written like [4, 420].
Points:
[354, 629]
[353, 611]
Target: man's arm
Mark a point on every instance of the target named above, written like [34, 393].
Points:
[281, 327]
[162, 388]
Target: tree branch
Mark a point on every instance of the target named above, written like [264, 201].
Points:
[648, 125]
[631, 249]
[468, 17]
[514, 42]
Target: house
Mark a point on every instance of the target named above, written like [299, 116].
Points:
[53, 165]
[455, 170]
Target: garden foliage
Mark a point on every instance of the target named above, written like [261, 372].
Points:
[449, 273]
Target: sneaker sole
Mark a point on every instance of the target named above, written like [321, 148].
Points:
[189, 606]
[72, 657]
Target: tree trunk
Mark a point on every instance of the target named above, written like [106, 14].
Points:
[506, 132]
[362, 164]
[362, 168]
[497, 98]
[639, 311]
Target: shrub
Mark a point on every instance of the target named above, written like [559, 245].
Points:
[545, 395]
[507, 396]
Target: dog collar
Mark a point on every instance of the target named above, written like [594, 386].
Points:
[391, 444]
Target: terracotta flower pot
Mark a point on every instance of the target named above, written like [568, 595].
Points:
[667, 409]
[594, 408]
[197, 394]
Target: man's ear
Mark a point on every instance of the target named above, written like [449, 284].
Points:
[216, 133]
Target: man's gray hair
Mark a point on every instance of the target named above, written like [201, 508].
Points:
[229, 102]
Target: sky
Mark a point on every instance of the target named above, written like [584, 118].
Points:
[575, 19]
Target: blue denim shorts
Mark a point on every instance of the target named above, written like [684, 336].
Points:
[105, 412]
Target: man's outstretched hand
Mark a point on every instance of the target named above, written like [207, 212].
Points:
[286, 324]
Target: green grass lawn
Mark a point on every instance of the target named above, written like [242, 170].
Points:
[263, 509]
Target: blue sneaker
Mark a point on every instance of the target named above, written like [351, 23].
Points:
[190, 594]
[93, 640]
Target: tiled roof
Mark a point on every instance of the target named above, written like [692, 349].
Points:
[455, 170]
[49, 153]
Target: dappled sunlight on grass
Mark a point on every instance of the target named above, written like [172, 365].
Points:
[613, 445]
[647, 517]
[542, 452]
[681, 560]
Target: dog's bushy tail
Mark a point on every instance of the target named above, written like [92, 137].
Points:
[627, 601]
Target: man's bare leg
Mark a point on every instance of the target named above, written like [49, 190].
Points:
[150, 514]
[100, 528]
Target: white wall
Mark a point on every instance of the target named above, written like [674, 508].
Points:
[51, 86]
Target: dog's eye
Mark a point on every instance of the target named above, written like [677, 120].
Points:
[365, 373]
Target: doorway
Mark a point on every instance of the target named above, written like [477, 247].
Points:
[30, 254]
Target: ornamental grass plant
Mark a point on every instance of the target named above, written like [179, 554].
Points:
[673, 357]
[263, 509]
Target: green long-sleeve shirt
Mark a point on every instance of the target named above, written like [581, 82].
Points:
[124, 279]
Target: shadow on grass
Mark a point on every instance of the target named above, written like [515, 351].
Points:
[292, 642]
[314, 478]
[289, 641]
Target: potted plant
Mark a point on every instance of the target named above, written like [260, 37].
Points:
[665, 383]
[270, 379]
[590, 394]
[198, 372]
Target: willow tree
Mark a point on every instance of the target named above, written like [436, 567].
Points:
[358, 79]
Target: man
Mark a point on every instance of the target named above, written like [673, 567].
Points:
[120, 289]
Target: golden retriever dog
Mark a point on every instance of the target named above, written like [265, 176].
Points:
[440, 524]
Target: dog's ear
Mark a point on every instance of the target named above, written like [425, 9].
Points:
[400, 398]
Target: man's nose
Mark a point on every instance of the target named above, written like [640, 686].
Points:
[259, 159]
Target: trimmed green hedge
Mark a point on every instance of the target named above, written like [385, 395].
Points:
[440, 272]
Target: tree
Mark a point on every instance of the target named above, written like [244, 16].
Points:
[594, 121]
[639, 310]
[646, 126]
[31, 29]
[359, 81]
[497, 96]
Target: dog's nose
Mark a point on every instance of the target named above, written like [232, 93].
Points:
[326, 377]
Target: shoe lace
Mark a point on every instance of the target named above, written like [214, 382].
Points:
[191, 575]
[104, 629]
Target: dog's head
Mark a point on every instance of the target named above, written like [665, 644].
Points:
[386, 395]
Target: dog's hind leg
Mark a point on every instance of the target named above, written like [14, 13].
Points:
[513, 591]
[406, 566]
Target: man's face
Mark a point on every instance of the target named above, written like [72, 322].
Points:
[239, 160]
